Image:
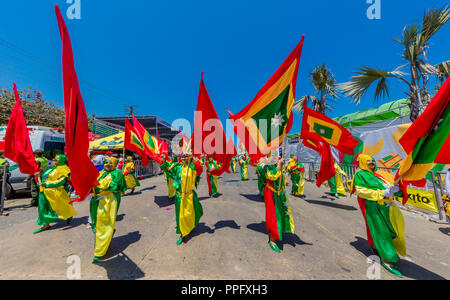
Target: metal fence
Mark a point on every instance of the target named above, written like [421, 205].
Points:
[435, 186]
[152, 169]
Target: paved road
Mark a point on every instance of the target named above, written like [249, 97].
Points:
[230, 242]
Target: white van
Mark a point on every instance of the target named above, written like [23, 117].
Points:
[49, 140]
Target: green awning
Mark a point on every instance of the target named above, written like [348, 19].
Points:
[386, 111]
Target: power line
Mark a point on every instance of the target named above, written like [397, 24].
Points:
[51, 70]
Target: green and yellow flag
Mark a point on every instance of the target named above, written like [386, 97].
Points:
[262, 124]
[427, 141]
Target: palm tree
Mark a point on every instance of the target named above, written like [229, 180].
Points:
[325, 87]
[415, 42]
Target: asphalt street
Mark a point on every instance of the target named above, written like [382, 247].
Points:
[229, 243]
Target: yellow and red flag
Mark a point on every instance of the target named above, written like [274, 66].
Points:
[318, 127]
[264, 122]
[427, 141]
[151, 144]
[132, 142]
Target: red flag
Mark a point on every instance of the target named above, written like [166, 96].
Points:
[163, 147]
[318, 127]
[327, 169]
[83, 173]
[150, 143]
[220, 150]
[133, 143]
[17, 141]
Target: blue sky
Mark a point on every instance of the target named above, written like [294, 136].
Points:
[151, 53]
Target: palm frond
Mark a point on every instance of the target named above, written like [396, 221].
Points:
[359, 84]
[433, 20]
[298, 105]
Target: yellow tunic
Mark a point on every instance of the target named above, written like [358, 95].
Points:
[106, 217]
[58, 196]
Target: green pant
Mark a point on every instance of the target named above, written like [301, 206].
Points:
[34, 191]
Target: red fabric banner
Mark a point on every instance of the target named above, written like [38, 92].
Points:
[83, 173]
[222, 152]
[17, 141]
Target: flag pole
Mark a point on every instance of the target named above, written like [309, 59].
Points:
[283, 154]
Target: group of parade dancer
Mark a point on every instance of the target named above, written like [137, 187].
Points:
[374, 190]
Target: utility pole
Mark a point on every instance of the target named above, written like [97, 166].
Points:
[130, 109]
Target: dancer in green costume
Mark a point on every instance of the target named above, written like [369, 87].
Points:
[213, 166]
[260, 173]
[104, 205]
[188, 210]
[336, 183]
[384, 220]
[53, 195]
[296, 170]
[233, 164]
[278, 212]
[243, 163]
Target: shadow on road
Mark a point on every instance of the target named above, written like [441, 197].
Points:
[254, 197]
[75, 223]
[19, 207]
[148, 188]
[121, 267]
[292, 240]
[228, 223]
[333, 205]
[116, 263]
[407, 268]
[119, 244]
[362, 246]
[163, 201]
[120, 217]
[258, 227]
[205, 198]
[232, 181]
[200, 229]
[288, 238]
[445, 231]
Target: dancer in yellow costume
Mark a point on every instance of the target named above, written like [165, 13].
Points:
[243, 163]
[233, 164]
[105, 205]
[296, 169]
[188, 210]
[169, 180]
[128, 172]
[336, 186]
[53, 195]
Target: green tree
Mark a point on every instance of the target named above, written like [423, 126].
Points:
[37, 111]
[324, 84]
[415, 42]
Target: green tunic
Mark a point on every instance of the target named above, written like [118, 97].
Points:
[188, 209]
[117, 186]
[261, 178]
[278, 212]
